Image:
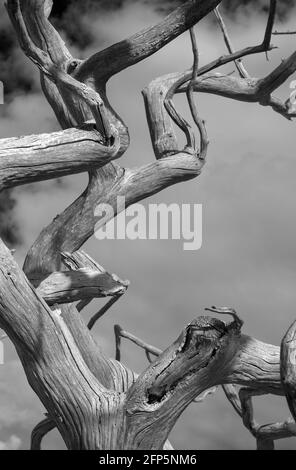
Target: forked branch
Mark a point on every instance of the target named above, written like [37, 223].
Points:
[238, 63]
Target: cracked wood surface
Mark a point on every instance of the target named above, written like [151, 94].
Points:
[45, 156]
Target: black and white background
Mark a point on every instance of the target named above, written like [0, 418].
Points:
[247, 190]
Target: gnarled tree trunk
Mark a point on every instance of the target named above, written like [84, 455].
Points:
[97, 402]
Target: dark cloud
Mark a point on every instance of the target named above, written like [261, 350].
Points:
[68, 15]
[60, 7]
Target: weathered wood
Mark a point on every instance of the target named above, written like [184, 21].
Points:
[207, 352]
[45, 156]
[96, 402]
[41, 430]
[141, 45]
[70, 286]
[47, 349]
[288, 367]
[57, 75]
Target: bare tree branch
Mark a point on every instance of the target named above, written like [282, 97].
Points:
[40, 431]
[46, 156]
[265, 46]
[281, 33]
[208, 352]
[75, 381]
[288, 377]
[233, 397]
[138, 47]
[121, 333]
[200, 123]
[46, 347]
[59, 76]
[103, 310]
[238, 63]
[69, 286]
[265, 435]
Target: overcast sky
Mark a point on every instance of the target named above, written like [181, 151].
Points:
[248, 256]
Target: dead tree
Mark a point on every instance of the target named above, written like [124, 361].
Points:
[96, 402]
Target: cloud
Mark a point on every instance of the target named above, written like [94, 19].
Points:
[13, 443]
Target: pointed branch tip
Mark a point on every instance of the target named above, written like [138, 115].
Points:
[226, 311]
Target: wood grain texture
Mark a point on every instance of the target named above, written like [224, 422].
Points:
[45, 156]
[288, 367]
[207, 352]
[97, 402]
[141, 45]
[47, 349]
[70, 286]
